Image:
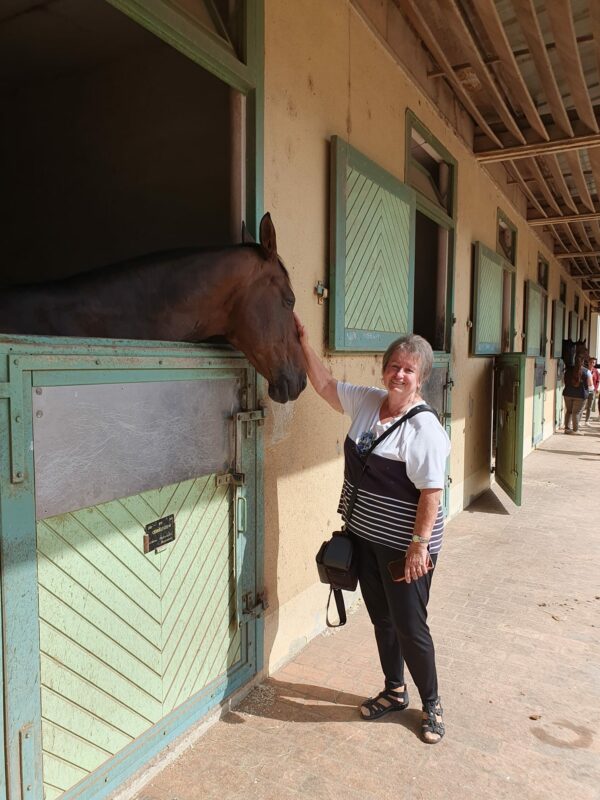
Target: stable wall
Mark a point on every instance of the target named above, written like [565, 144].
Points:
[326, 73]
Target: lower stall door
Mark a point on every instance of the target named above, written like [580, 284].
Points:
[126, 636]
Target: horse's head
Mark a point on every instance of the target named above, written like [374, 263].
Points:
[264, 322]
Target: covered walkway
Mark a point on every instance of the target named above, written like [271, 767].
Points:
[515, 617]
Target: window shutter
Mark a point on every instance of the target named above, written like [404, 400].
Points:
[372, 247]
[573, 326]
[488, 276]
[534, 334]
[558, 327]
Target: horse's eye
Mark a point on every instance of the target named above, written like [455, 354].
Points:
[290, 302]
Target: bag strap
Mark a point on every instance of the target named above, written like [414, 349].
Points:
[341, 608]
[409, 414]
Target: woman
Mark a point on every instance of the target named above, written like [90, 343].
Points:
[578, 383]
[397, 514]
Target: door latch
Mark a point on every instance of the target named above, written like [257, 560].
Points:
[254, 612]
[231, 478]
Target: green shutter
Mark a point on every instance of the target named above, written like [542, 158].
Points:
[534, 333]
[573, 326]
[372, 246]
[488, 276]
[558, 327]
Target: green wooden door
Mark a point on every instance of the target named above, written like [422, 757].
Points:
[509, 415]
[539, 396]
[558, 394]
[127, 637]
[134, 646]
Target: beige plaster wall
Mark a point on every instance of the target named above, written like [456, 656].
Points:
[327, 73]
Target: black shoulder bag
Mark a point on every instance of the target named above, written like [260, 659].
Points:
[336, 560]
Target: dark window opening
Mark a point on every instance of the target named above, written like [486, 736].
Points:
[563, 292]
[543, 269]
[576, 304]
[431, 278]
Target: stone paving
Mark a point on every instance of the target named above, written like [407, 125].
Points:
[515, 618]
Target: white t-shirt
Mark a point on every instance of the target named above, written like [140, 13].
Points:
[420, 442]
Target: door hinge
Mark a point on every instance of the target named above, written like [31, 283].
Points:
[254, 612]
[231, 478]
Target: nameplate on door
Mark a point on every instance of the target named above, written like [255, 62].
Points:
[159, 532]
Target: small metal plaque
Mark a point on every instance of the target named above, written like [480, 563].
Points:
[159, 532]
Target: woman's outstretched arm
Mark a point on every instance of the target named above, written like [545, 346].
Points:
[323, 382]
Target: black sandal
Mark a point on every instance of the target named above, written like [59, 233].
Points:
[396, 701]
[432, 726]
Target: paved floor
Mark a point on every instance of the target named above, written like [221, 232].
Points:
[515, 618]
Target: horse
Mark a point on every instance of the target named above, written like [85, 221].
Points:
[241, 292]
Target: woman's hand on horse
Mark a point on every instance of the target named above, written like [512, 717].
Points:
[415, 564]
[302, 335]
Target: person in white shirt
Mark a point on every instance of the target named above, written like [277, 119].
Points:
[396, 515]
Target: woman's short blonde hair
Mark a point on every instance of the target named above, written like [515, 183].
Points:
[416, 347]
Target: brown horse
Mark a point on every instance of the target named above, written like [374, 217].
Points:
[242, 293]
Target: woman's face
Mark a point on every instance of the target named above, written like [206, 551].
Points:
[401, 376]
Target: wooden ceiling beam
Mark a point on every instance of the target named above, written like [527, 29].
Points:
[571, 237]
[458, 25]
[526, 190]
[543, 186]
[579, 179]
[561, 21]
[566, 218]
[591, 276]
[551, 163]
[584, 253]
[424, 32]
[580, 230]
[530, 26]
[490, 19]
[588, 142]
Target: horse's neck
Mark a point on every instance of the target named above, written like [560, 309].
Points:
[211, 285]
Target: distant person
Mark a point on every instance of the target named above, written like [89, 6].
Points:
[592, 398]
[578, 384]
[397, 522]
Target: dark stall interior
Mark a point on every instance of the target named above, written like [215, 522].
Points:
[112, 144]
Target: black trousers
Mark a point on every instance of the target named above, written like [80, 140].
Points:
[398, 612]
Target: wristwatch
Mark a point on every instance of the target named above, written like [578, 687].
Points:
[420, 539]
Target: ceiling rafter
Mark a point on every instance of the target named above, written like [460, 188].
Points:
[530, 26]
[594, 8]
[490, 19]
[424, 32]
[543, 185]
[579, 179]
[566, 218]
[479, 67]
[589, 141]
[551, 163]
[584, 253]
[561, 22]
[514, 169]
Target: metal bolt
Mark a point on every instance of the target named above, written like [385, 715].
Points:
[97, 361]
[16, 361]
[27, 735]
[38, 390]
[20, 475]
[160, 361]
[39, 414]
[29, 787]
[17, 418]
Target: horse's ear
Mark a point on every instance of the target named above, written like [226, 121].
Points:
[268, 240]
[247, 237]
